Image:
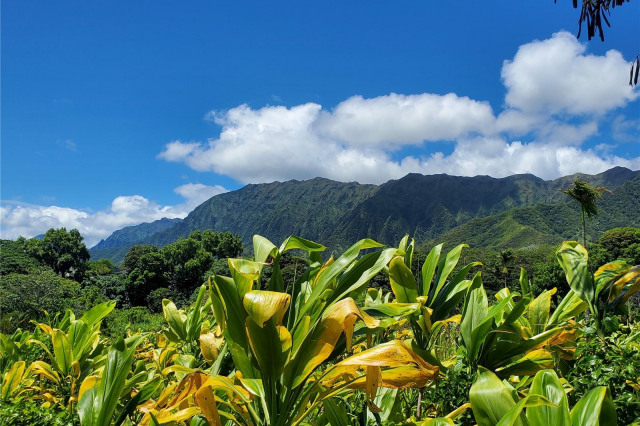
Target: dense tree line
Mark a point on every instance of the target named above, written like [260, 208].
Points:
[55, 273]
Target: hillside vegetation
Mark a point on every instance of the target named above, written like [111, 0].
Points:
[520, 211]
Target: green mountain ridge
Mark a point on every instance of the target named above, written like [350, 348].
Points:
[514, 211]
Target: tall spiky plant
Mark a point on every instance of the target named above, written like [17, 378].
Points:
[587, 196]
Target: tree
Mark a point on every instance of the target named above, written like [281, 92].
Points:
[586, 196]
[61, 250]
[593, 13]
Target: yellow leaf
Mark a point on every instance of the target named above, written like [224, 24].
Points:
[316, 347]
[88, 383]
[207, 403]
[264, 305]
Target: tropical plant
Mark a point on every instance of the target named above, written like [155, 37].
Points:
[280, 340]
[586, 196]
[428, 302]
[99, 395]
[614, 362]
[496, 402]
[76, 352]
[605, 292]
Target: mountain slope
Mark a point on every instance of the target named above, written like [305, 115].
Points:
[118, 244]
[338, 214]
[276, 210]
[548, 223]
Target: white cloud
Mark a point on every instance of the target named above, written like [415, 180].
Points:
[29, 220]
[197, 193]
[405, 119]
[556, 98]
[556, 76]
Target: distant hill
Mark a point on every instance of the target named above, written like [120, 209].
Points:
[514, 211]
[548, 223]
[118, 244]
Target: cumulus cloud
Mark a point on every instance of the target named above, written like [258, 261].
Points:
[556, 76]
[556, 98]
[28, 220]
[405, 119]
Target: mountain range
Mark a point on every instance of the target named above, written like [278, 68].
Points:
[515, 211]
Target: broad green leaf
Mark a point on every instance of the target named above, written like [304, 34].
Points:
[356, 278]
[448, 299]
[491, 399]
[62, 351]
[97, 405]
[98, 312]
[192, 325]
[142, 395]
[336, 414]
[294, 242]
[437, 421]
[573, 259]
[271, 346]
[527, 364]
[331, 272]
[263, 248]
[596, 408]
[570, 306]
[547, 384]
[245, 273]
[445, 267]
[525, 285]
[175, 319]
[403, 284]
[539, 311]
[429, 268]
[514, 415]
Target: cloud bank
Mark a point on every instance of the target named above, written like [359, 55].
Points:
[27, 220]
[556, 96]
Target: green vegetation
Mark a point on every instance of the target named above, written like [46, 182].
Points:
[513, 212]
[372, 335]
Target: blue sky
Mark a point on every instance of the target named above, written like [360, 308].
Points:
[116, 113]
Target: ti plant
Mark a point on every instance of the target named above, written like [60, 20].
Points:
[496, 402]
[192, 332]
[607, 291]
[76, 353]
[435, 295]
[281, 341]
[517, 338]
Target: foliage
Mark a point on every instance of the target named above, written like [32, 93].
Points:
[29, 413]
[586, 196]
[26, 297]
[61, 250]
[593, 13]
[496, 402]
[15, 260]
[607, 291]
[111, 287]
[180, 266]
[100, 267]
[135, 319]
[614, 362]
[288, 337]
[617, 243]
